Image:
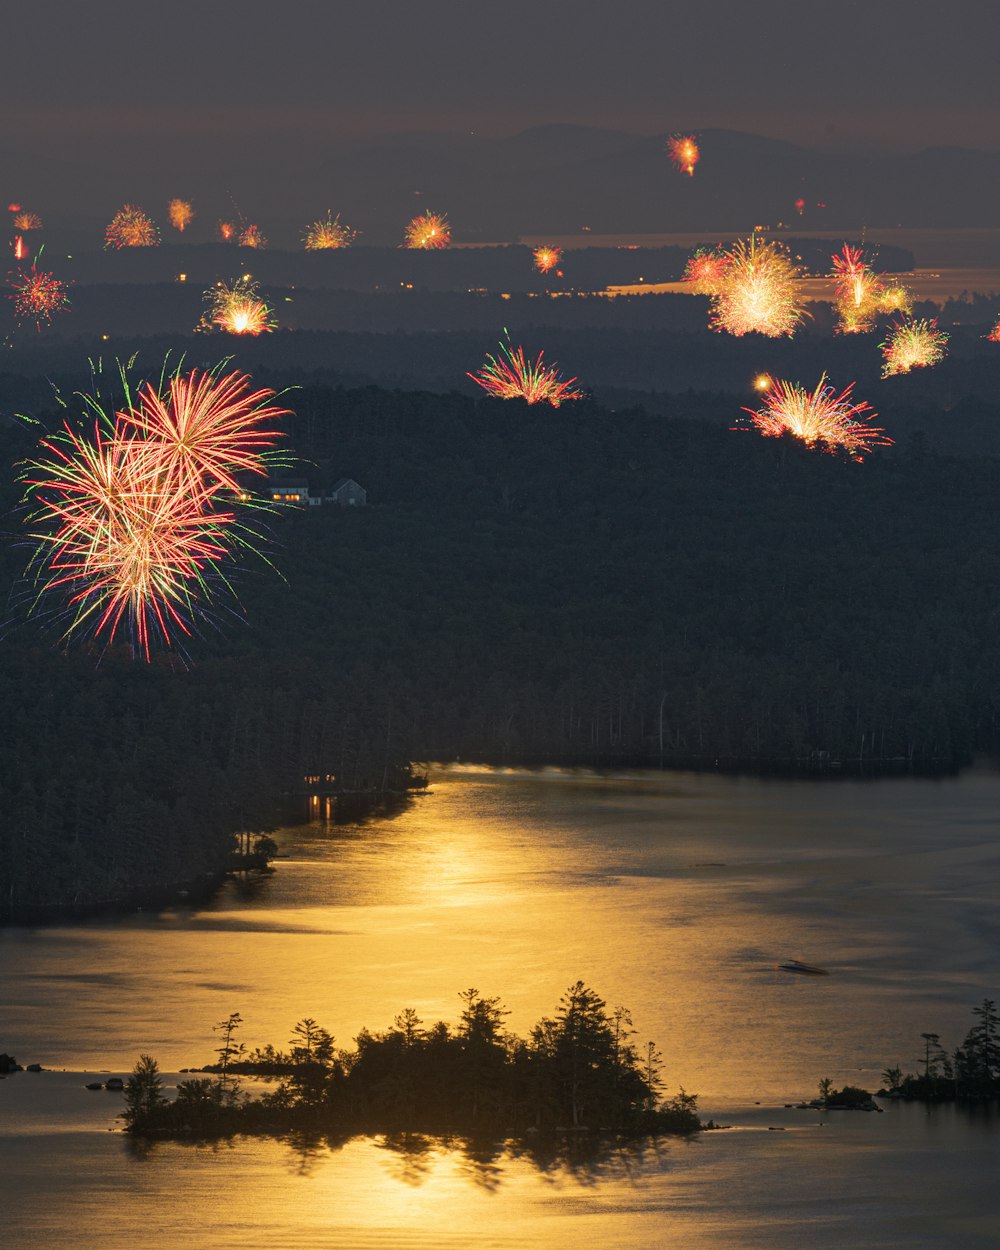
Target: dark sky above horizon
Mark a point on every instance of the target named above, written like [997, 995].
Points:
[899, 74]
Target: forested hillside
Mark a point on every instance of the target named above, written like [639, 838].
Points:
[525, 584]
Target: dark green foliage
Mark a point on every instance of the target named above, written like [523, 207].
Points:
[574, 1071]
[972, 1073]
[143, 1093]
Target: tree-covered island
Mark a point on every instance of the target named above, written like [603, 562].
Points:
[578, 1071]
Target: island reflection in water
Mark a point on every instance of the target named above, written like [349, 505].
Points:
[675, 895]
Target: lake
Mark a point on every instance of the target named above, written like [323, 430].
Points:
[673, 894]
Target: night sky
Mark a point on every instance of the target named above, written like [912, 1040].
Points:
[904, 73]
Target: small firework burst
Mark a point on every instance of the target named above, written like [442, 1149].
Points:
[758, 291]
[994, 334]
[859, 290]
[895, 298]
[800, 206]
[328, 232]
[38, 295]
[821, 418]
[227, 231]
[428, 231]
[237, 309]
[252, 236]
[913, 345]
[546, 258]
[130, 227]
[181, 214]
[512, 376]
[683, 151]
[705, 269]
[13, 207]
[27, 221]
[135, 522]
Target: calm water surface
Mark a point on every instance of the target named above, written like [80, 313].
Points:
[675, 895]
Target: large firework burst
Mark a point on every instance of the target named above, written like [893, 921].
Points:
[328, 232]
[757, 290]
[820, 418]
[428, 230]
[27, 221]
[131, 520]
[38, 295]
[512, 376]
[181, 214]
[683, 151]
[912, 345]
[546, 258]
[130, 227]
[237, 309]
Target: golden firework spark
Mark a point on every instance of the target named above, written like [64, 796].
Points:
[757, 291]
[913, 345]
[237, 309]
[819, 418]
[428, 231]
[328, 232]
[181, 214]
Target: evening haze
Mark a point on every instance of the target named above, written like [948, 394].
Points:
[116, 99]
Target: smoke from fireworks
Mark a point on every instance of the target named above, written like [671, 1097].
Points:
[683, 151]
[757, 291]
[512, 376]
[822, 418]
[130, 227]
[912, 345]
[27, 221]
[428, 230]
[546, 258]
[237, 309]
[181, 214]
[328, 232]
[38, 295]
[252, 236]
[705, 269]
[131, 527]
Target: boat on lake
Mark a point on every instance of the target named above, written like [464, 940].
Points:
[807, 970]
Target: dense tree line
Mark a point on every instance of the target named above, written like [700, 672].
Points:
[577, 1070]
[970, 1073]
[577, 584]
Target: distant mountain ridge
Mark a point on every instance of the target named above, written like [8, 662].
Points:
[556, 179]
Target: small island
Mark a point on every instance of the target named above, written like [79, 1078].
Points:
[578, 1072]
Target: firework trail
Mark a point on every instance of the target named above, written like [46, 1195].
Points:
[237, 309]
[38, 295]
[512, 376]
[683, 151]
[758, 291]
[912, 345]
[328, 232]
[27, 221]
[252, 236]
[20, 251]
[181, 214]
[822, 418]
[705, 269]
[132, 524]
[546, 258]
[130, 227]
[428, 231]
